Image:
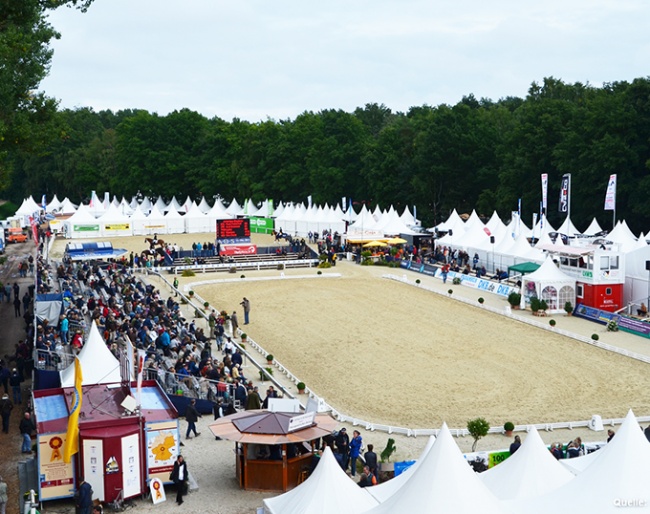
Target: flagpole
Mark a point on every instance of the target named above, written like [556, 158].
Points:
[568, 214]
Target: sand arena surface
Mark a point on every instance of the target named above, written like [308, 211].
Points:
[391, 353]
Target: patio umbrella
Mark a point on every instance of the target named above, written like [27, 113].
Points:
[396, 241]
[372, 244]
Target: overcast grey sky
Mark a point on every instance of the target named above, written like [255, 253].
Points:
[275, 59]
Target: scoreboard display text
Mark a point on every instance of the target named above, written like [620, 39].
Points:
[233, 229]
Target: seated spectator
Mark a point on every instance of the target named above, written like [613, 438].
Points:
[575, 448]
[642, 311]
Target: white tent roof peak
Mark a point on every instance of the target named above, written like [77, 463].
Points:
[549, 272]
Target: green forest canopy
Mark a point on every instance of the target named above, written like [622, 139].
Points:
[475, 154]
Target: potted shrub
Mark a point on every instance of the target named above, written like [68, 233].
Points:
[417, 281]
[568, 308]
[551, 322]
[232, 269]
[206, 305]
[386, 464]
[514, 299]
[244, 336]
[508, 427]
[243, 276]
[595, 337]
[543, 306]
[191, 293]
[477, 428]
[456, 281]
[265, 373]
[481, 300]
[612, 326]
[450, 291]
[269, 358]
[188, 273]
[301, 387]
[319, 272]
[535, 305]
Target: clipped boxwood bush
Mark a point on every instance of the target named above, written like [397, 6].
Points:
[551, 322]
[481, 300]
[595, 337]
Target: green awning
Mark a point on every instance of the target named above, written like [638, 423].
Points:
[523, 268]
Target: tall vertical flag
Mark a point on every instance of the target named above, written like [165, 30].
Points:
[544, 192]
[610, 196]
[72, 437]
[142, 355]
[565, 194]
[44, 203]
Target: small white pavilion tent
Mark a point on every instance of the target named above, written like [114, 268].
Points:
[568, 228]
[54, 205]
[67, 207]
[234, 208]
[146, 205]
[138, 221]
[173, 204]
[98, 364]
[28, 207]
[175, 222]
[551, 284]
[593, 228]
[530, 472]
[409, 219]
[204, 206]
[160, 203]
[155, 222]
[327, 491]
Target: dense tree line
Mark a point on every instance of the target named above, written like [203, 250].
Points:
[475, 154]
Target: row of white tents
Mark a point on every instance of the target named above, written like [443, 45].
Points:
[531, 481]
[123, 218]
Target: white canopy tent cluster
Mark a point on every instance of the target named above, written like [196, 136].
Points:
[530, 481]
[145, 217]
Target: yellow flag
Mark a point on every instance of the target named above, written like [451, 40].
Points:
[72, 437]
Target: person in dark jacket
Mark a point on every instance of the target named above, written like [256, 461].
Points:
[180, 477]
[191, 416]
[26, 428]
[85, 498]
[515, 445]
[371, 459]
[342, 442]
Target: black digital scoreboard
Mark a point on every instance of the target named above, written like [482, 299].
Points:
[236, 229]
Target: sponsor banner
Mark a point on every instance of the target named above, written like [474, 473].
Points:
[497, 458]
[56, 477]
[626, 324]
[118, 226]
[85, 228]
[544, 191]
[261, 225]
[564, 193]
[235, 241]
[155, 227]
[238, 249]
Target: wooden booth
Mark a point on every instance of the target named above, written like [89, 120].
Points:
[274, 450]
[120, 450]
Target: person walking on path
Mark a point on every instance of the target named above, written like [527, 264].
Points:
[191, 416]
[180, 477]
[5, 411]
[17, 304]
[85, 498]
[3, 496]
[26, 428]
[246, 304]
[8, 292]
[355, 450]
[175, 286]
[15, 381]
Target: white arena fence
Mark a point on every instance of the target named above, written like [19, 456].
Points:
[323, 406]
[242, 266]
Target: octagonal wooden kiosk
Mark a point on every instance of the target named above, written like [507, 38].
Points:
[274, 450]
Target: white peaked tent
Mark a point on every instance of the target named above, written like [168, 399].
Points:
[381, 492]
[250, 209]
[495, 224]
[327, 491]
[218, 212]
[266, 209]
[542, 226]
[114, 223]
[364, 227]
[442, 484]
[146, 205]
[160, 203]
[408, 218]
[138, 221]
[125, 207]
[186, 205]
[133, 203]
[278, 210]
[204, 206]
[568, 228]
[578, 464]
[67, 207]
[54, 205]
[621, 234]
[173, 205]
[593, 228]
[155, 222]
[620, 474]
[98, 364]
[82, 224]
[175, 222]
[196, 221]
[473, 220]
[234, 208]
[530, 472]
[551, 284]
[28, 207]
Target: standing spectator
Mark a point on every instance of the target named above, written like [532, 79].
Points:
[14, 381]
[3, 496]
[647, 433]
[5, 410]
[254, 400]
[342, 442]
[4, 376]
[27, 300]
[2, 292]
[85, 498]
[371, 459]
[610, 435]
[246, 304]
[17, 304]
[234, 322]
[16, 291]
[180, 478]
[26, 428]
[63, 328]
[515, 445]
[8, 292]
[355, 450]
[191, 416]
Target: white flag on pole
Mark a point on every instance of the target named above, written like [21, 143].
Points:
[610, 196]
